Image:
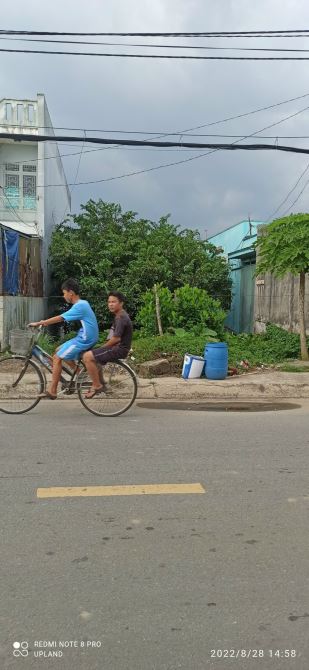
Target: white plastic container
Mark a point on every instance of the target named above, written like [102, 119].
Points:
[192, 366]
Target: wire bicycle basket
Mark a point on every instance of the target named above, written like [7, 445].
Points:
[21, 341]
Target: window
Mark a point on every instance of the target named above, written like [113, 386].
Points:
[12, 167]
[29, 168]
[29, 191]
[11, 191]
[31, 113]
[19, 175]
[20, 113]
[8, 111]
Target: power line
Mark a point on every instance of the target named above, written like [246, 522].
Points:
[187, 160]
[271, 216]
[155, 56]
[214, 147]
[75, 178]
[153, 143]
[161, 166]
[152, 45]
[165, 134]
[147, 143]
[239, 33]
[164, 165]
[93, 151]
[182, 132]
[297, 198]
[168, 133]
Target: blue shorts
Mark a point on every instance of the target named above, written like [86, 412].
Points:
[72, 349]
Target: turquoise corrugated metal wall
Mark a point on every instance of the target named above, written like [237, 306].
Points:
[231, 240]
[246, 306]
[240, 317]
[233, 319]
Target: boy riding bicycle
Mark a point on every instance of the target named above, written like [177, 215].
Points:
[85, 339]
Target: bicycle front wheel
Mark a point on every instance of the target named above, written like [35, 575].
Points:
[120, 389]
[21, 381]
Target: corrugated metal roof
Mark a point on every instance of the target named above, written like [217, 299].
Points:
[24, 228]
[241, 253]
[234, 225]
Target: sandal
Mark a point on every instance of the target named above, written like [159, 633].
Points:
[93, 392]
[46, 395]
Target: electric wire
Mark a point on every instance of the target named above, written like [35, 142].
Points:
[168, 133]
[131, 174]
[161, 166]
[230, 34]
[147, 143]
[75, 178]
[155, 143]
[164, 165]
[272, 216]
[179, 132]
[155, 56]
[296, 199]
[153, 46]
[265, 137]
[194, 157]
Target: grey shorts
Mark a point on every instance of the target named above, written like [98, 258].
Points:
[103, 355]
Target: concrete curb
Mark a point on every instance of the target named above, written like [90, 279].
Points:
[247, 386]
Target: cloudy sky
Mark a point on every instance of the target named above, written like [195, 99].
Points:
[208, 193]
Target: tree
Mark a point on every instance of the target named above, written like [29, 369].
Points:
[284, 248]
[108, 249]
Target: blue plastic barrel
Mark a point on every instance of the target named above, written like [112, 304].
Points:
[216, 360]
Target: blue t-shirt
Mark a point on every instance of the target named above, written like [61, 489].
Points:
[81, 311]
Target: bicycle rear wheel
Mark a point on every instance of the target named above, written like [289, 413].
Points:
[21, 381]
[120, 389]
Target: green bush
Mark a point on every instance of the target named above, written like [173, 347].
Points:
[146, 316]
[194, 307]
[283, 342]
[149, 348]
[47, 343]
[188, 307]
[273, 346]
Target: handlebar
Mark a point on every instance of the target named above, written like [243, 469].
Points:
[36, 330]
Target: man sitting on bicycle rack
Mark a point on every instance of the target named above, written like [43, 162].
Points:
[86, 337]
[117, 345]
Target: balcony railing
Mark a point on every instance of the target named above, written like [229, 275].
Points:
[21, 115]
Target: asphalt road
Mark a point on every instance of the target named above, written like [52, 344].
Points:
[215, 580]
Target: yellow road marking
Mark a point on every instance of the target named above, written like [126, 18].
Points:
[127, 490]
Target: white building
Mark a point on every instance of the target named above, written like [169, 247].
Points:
[31, 204]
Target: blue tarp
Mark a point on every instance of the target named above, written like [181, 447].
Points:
[10, 261]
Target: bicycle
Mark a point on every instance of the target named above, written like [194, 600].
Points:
[23, 378]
